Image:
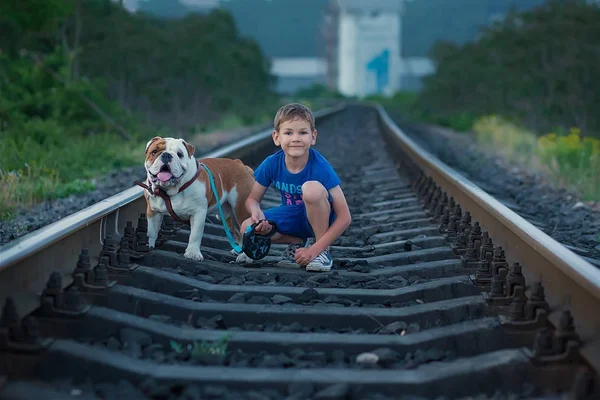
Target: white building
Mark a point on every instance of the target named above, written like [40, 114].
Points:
[369, 49]
[368, 46]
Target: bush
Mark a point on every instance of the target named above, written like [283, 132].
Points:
[53, 144]
[71, 99]
[536, 67]
[505, 138]
[572, 161]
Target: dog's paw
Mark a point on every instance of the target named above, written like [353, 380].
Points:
[243, 259]
[193, 254]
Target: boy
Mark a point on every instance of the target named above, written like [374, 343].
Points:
[313, 204]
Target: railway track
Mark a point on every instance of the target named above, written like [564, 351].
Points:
[437, 291]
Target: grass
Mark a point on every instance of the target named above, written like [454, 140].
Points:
[198, 350]
[573, 161]
[42, 163]
[40, 160]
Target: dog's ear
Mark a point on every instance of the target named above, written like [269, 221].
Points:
[155, 138]
[190, 148]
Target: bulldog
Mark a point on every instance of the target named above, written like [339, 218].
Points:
[178, 184]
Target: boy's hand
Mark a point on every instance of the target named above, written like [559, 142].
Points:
[305, 255]
[264, 227]
[257, 215]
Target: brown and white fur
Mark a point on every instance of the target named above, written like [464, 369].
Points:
[170, 163]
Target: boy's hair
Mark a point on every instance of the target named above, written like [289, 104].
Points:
[292, 111]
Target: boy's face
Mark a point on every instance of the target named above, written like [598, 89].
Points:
[295, 137]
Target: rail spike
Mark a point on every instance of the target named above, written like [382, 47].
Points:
[137, 238]
[558, 347]
[487, 246]
[117, 261]
[444, 220]
[470, 259]
[167, 230]
[428, 195]
[55, 302]
[483, 275]
[418, 183]
[456, 214]
[124, 253]
[504, 285]
[109, 250]
[19, 335]
[476, 238]
[499, 260]
[141, 235]
[527, 313]
[90, 280]
[460, 247]
[433, 198]
[514, 279]
[439, 207]
[451, 203]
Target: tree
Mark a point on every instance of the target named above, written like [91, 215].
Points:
[539, 67]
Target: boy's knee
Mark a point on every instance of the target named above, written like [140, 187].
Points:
[313, 191]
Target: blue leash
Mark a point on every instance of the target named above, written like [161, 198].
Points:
[235, 247]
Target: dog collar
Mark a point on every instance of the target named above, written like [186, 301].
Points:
[162, 193]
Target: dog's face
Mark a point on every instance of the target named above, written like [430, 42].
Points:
[167, 160]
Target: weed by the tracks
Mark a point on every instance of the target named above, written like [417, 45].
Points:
[31, 172]
[572, 160]
[199, 350]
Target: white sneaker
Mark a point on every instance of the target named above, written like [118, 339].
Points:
[287, 258]
[322, 263]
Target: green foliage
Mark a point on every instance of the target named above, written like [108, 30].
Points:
[533, 72]
[536, 68]
[402, 104]
[407, 106]
[31, 92]
[24, 22]
[180, 72]
[53, 144]
[78, 76]
[504, 138]
[572, 160]
[200, 350]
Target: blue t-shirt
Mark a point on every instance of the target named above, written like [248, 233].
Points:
[272, 171]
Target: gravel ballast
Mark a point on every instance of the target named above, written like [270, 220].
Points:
[556, 211]
[47, 212]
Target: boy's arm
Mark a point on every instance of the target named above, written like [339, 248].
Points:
[253, 207]
[253, 201]
[341, 223]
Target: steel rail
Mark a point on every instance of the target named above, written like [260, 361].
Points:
[570, 282]
[27, 262]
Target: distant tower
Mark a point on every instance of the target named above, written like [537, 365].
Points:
[368, 50]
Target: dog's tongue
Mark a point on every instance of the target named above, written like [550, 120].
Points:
[164, 176]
